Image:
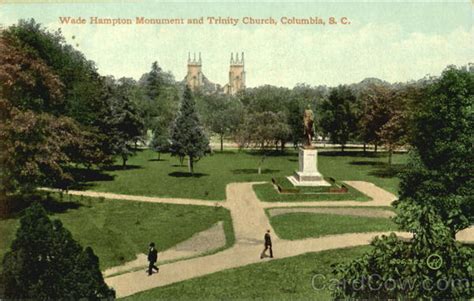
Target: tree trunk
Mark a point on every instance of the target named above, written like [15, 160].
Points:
[342, 147]
[375, 147]
[124, 162]
[365, 148]
[4, 208]
[191, 165]
[159, 156]
[181, 160]
[282, 145]
[390, 152]
[222, 142]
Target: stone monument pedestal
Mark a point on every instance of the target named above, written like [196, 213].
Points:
[307, 173]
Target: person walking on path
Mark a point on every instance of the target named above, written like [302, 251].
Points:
[268, 245]
[152, 258]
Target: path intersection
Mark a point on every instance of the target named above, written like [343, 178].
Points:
[249, 222]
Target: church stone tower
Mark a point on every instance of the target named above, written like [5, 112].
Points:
[194, 78]
[236, 75]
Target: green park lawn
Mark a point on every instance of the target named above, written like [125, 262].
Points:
[279, 279]
[117, 230]
[145, 175]
[294, 226]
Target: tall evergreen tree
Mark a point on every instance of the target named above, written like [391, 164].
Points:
[127, 126]
[154, 82]
[46, 263]
[187, 134]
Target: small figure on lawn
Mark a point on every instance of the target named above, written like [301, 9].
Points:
[268, 245]
[308, 120]
[152, 258]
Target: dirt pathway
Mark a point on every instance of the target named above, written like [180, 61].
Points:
[138, 198]
[237, 256]
[250, 223]
[200, 243]
[248, 214]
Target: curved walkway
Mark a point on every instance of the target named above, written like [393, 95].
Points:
[250, 223]
[138, 198]
[237, 256]
[199, 244]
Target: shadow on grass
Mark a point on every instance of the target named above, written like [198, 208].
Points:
[86, 175]
[368, 163]
[157, 160]
[16, 204]
[120, 167]
[293, 160]
[83, 176]
[388, 171]
[54, 206]
[225, 152]
[272, 153]
[351, 154]
[180, 174]
[247, 171]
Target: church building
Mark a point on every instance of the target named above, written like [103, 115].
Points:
[195, 78]
[236, 75]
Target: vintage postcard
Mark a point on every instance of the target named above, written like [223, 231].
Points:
[236, 150]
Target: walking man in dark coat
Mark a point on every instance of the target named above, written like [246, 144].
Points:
[268, 245]
[152, 258]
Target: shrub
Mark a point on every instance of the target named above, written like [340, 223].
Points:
[45, 262]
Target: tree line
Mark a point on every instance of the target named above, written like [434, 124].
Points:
[58, 112]
[435, 203]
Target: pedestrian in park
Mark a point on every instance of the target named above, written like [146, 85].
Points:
[152, 258]
[268, 245]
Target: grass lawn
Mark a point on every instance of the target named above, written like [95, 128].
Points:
[302, 225]
[117, 230]
[354, 165]
[281, 279]
[267, 193]
[145, 175]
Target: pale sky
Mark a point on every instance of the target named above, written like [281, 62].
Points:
[394, 41]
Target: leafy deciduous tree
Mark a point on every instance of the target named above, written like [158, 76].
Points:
[221, 115]
[436, 201]
[338, 115]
